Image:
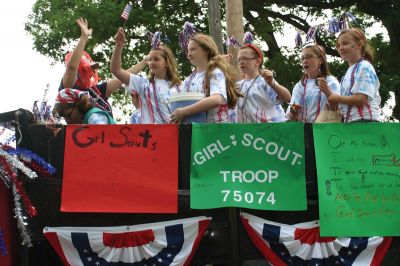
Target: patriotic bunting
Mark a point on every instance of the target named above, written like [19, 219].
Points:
[163, 243]
[301, 244]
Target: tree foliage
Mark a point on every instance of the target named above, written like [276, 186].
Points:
[52, 25]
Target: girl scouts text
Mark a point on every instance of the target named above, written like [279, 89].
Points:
[271, 148]
[125, 138]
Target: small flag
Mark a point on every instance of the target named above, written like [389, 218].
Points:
[126, 12]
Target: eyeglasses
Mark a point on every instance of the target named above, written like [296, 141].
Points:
[307, 57]
[245, 59]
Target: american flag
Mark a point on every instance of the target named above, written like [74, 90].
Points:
[126, 12]
[301, 244]
[162, 244]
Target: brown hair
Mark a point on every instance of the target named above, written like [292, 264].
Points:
[172, 73]
[320, 52]
[359, 36]
[215, 60]
[83, 105]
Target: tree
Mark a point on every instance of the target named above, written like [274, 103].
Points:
[52, 26]
[386, 12]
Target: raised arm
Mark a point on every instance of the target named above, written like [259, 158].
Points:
[122, 76]
[115, 65]
[282, 92]
[71, 71]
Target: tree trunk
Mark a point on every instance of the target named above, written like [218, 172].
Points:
[234, 24]
[214, 23]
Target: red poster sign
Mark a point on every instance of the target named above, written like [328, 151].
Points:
[121, 168]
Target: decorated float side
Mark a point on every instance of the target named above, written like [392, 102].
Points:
[199, 194]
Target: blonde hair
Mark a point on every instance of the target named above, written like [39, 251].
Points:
[359, 36]
[216, 60]
[172, 72]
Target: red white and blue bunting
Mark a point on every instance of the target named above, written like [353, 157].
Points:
[301, 244]
[163, 243]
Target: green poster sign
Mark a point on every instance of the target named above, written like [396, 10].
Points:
[257, 166]
[358, 169]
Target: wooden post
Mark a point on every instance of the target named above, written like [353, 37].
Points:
[234, 24]
[214, 23]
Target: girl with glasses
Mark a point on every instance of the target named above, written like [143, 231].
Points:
[262, 94]
[310, 94]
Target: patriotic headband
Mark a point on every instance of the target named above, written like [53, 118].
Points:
[358, 33]
[231, 41]
[157, 38]
[189, 31]
[248, 42]
[70, 95]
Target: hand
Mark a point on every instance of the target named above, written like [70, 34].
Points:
[295, 108]
[146, 60]
[268, 75]
[323, 86]
[120, 37]
[178, 115]
[85, 31]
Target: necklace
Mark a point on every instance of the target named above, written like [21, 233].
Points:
[191, 77]
[247, 92]
[158, 103]
[105, 106]
[353, 72]
[304, 109]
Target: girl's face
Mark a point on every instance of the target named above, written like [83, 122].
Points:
[248, 61]
[349, 50]
[157, 63]
[196, 54]
[72, 115]
[310, 62]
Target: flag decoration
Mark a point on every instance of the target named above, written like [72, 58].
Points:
[126, 12]
[301, 244]
[7, 137]
[231, 41]
[163, 243]
[331, 26]
[43, 113]
[188, 32]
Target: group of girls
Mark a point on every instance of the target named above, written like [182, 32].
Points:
[256, 98]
